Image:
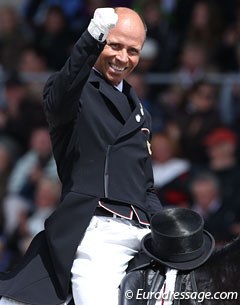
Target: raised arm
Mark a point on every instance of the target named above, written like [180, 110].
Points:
[63, 89]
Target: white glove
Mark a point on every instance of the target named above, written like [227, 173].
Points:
[103, 20]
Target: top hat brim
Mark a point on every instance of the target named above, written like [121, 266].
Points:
[209, 244]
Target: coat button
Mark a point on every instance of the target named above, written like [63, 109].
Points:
[138, 118]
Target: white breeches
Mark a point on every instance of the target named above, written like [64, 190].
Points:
[102, 258]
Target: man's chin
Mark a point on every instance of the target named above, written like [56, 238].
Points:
[113, 79]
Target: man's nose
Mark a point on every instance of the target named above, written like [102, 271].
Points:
[122, 55]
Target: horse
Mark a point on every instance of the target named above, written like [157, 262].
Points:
[219, 276]
[216, 282]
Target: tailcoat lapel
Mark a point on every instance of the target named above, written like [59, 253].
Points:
[119, 100]
[135, 121]
[137, 117]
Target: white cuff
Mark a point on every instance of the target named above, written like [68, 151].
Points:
[97, 32]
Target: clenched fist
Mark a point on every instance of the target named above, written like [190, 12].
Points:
[103, 20]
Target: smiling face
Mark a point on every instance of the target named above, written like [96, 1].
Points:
[123, 46]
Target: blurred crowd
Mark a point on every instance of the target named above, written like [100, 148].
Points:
[195, 140]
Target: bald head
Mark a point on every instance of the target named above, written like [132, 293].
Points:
[127, 14]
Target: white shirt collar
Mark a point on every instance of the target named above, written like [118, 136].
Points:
[120, 86]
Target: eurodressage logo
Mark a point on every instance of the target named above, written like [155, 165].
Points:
[186, 295]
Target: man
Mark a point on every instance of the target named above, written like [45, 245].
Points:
[219, 215]
[100, 134]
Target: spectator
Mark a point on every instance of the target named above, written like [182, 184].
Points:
[20, 108]
[32, 60]
[193, 63]
[165, 109]
[54, 38]
[149, 56]
[226, 54]
[13, 37]
[34, 10]
[197, 116]
[35, 163]
[24, 177]
[32, 63]
[204, 25]
[221, 147]
[46, 197]
[218, 215]
[13, 207]
[160, 33]
[170, 173]
[30, 221]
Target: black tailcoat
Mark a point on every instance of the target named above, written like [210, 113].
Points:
[101, 152]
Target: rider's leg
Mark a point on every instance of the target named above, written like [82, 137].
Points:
[102, 258]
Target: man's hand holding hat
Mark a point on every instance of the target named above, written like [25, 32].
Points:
[103, 20]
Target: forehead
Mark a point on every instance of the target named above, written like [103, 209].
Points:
[128, 31]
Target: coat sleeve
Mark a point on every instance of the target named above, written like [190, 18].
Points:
[63, 89]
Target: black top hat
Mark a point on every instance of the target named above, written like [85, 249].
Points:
[177, 239]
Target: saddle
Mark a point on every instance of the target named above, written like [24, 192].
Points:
[147, 276]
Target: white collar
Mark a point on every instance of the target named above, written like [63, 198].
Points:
[120, 86]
